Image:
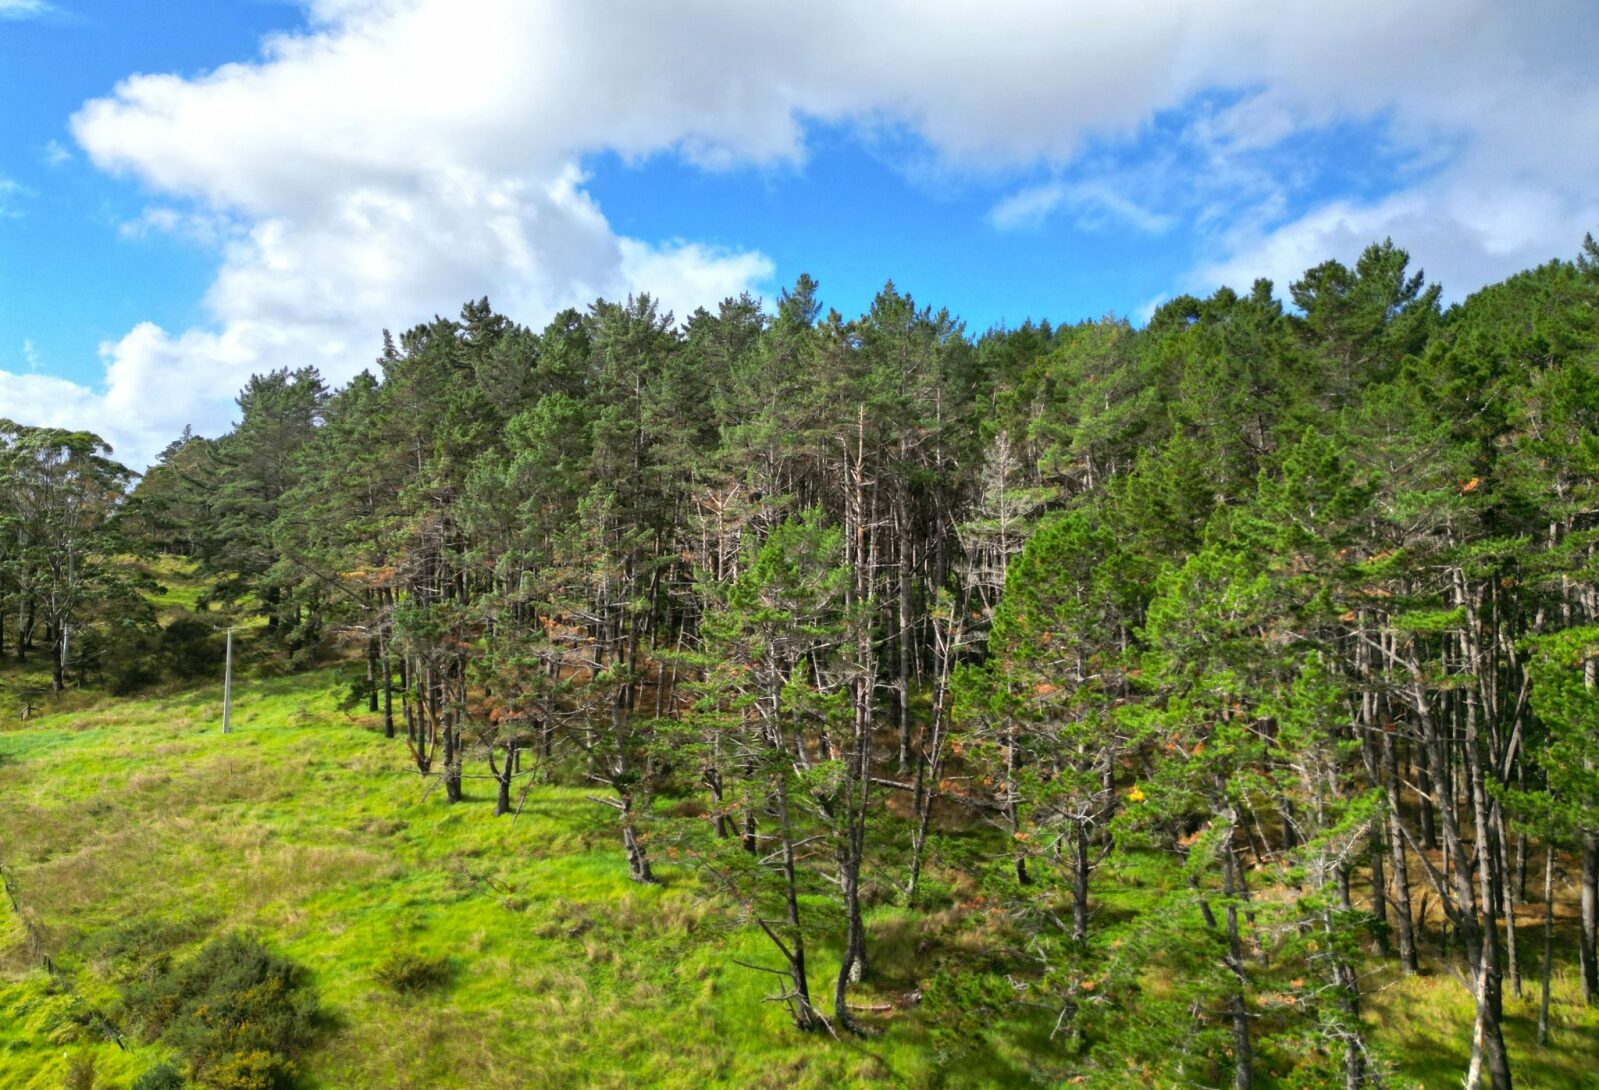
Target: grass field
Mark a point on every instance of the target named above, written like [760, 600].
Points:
[134, 826]
[133, 829]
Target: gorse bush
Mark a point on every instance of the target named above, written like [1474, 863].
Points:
[236, 1012]
[162, 1076]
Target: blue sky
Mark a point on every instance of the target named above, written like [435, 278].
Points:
[68, 278]
[191, 190]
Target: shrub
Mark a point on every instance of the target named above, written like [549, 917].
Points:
[123, 654]
[131, 674]
[190, 648]
[257, 1070]
[237, 1013]
[409, 973]
[162, 1076]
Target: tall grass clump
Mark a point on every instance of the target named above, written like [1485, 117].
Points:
[409, 973]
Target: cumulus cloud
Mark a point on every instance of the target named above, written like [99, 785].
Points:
[397, 156]
[1461, 236]
[1502, 126]
[51, 402]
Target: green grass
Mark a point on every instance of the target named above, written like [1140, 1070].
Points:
[1425, 1020]
[179, 584]
[134, 829]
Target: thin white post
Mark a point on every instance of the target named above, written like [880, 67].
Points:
[227, 685]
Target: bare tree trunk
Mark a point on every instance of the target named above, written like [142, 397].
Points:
[1490, 980]
[1507, 893]
[1012, 811]
[747, 833]
[502, 800]
[1379, 888]
[371, 673]
[1243, 1054]
[1080, 874]
[713, 782]
[388, 691]
[903, 641]
[58, 669]
[858, 757]
[1347, 985]
[1479, 934]
[851, 855]
[1427, 787]
[930, 755]
[800, 1006]
[1589, 941]
[1404, 928]
[452, 760]
[25, 624]
[1548, 942]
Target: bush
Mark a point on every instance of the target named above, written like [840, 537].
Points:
[130, 674]
[236, 1012]
[409, 973]
[257, 1070]
[160, 1077]
[190, 648]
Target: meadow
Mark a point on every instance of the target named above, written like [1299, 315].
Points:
[134, 829]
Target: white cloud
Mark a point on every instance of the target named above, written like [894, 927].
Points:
[24, 9]
[204, 227]
[684, 275]
[1459, 233]
[12, 194]
[49, 402]
[56, 154]
[399, 156]
[1097, 205]
[30, 355]
[1500, 121]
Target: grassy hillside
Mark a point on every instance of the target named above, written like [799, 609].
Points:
[132, 830]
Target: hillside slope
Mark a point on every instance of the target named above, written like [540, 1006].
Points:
[134, 829]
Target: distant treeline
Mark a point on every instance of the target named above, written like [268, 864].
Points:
[1257, 645]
